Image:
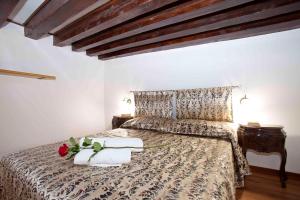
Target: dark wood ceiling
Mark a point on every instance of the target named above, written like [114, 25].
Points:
[116, 28]
[8, 9]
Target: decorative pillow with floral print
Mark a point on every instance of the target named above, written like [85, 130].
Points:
[154, 104]
[214, 104]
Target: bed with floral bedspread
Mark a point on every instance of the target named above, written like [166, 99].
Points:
[196, 160]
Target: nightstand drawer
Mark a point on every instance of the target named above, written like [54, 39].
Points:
[263, 141]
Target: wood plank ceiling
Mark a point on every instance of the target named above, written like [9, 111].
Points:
[117, 28]
[9, 9]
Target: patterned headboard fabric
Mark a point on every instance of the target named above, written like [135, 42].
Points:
[153, 103]
[214, 104]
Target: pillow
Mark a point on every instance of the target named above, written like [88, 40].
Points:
[183, 126]
[146, 123]
[153, 104]
[214, 104]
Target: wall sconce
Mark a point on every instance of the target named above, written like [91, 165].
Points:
[244, 98]
[126, 106]
[243, 101]
[127, 100]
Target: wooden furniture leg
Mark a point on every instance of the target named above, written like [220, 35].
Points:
[283, 176]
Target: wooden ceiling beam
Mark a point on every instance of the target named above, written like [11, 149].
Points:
[9, 9]
[110, 14]
[251, 12]
[274, 24]
[56, 12]
[181, 12]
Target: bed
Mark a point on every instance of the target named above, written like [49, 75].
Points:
[188, 159]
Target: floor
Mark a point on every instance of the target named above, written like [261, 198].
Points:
[266, 186]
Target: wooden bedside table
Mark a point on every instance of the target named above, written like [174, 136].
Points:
[117, 121]
[265, 139]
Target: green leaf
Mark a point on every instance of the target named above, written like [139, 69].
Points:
[72, 141]
[87, 142]
[97, 147]
[75, 148]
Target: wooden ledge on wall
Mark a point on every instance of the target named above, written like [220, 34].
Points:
[26, 74]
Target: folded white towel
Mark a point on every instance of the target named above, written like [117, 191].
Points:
[137, 143]
[82, 157]
[112, 157]
[106, 157]
[106, 165]
[100, 140]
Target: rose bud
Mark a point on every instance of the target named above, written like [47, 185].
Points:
[63, 150]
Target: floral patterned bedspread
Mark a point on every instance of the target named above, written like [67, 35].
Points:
[187, 167]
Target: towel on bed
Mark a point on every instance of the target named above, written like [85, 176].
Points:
[135, 143]
[104, 158]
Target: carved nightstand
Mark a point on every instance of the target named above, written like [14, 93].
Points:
[117, 121]
[265, 139]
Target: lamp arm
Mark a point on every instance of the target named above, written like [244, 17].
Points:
[243, 98]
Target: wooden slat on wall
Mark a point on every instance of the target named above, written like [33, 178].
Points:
[274, 24]
[184, 11]
[252, 12]
[106, 16]
[26, 74]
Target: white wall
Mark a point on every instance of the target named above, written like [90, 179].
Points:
[35, 112]
[267, 66]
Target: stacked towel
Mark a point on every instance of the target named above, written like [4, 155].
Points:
[136, 144]
[110, 155]
[106, 157]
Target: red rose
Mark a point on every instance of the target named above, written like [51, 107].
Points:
[63, 150]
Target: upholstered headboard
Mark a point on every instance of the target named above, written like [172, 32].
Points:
[214, 104]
